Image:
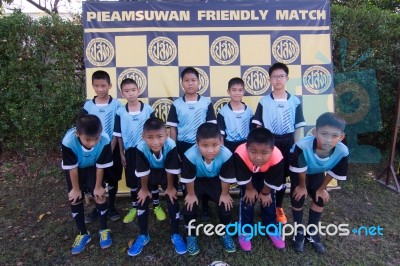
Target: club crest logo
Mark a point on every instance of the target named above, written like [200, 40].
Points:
[100, 52]
[219, 104]
[161, 108]
[224, 50]
[285, 49]
[162, 50]
[317, 79]
[256, 80]
[136, 75]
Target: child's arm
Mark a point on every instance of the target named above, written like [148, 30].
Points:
[227, 175]
[225, 198]
[170, 191]
[75, 194]
[172, 133]
[114, 142]
[172, 122]
[321, 191]
[99, 191]
[250, 195]
[188, 178]
[122, 151]
[298, 134]
[144, 191]
[301, 190]
[257, 118]
[191, 197]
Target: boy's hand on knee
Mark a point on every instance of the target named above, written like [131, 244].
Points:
[142, 195]
[227, 201]
[265, 200]
[171, 193]
[299, 192]
[99, 192]
[323, 194]
[190, 200]
[250, 196]
[74, 195]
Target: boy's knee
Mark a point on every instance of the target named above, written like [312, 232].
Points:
[297, 204]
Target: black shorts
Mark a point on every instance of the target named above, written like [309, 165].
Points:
[208, 186]
[257, 180]
[114, 173]
[130, 176]
[313, 182]
[86, 179]
[158, 177]
[232, 145]
[285, 143]
[182, 147]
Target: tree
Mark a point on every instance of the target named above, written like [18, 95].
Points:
[389, 5]
[48, 6]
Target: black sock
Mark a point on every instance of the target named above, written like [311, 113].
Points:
[173, 212]
[279, 195]
[155, 194]
[102, 211]
[78, 215]
[112, 195]
[297, 216]
[143, 216]
[134, 197]
[314, 218]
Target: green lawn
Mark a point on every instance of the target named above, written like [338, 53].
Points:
[34, 186]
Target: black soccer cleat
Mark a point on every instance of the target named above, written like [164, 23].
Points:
[298, 242]
[315, 241]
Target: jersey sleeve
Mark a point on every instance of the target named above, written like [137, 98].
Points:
[117, 126]
[257, 118]
[172, 119]
[69, 158]
[339, 171]
[243, 173]
[142, 164]
[299, 117]
[172, 162]
[105, 159]
[83, 111]
[188, 174]
[298, 162]
[221, 123]
[211, 114]
[274, 176]
[227, 172]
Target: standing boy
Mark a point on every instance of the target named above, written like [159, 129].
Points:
[129, 123]
[86, 152]
[234, 117]
[259, 170]
[105, 107]
[282, 114]
[157, 164]
[312, 157]
[208, 169]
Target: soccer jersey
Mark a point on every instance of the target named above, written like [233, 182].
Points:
[147, 160]
[304, 159]
[106, 113]
[75, 155]
[273, 169]
[188, 116]
[194, 166]
[234, 125]
[129, 125]
[280, 116]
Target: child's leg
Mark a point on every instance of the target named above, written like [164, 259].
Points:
[143, 216]
[297, 212]
[115, 176]
[268, 213]
[131, 182]
[190, 215]
[77, 211]
[155, 194]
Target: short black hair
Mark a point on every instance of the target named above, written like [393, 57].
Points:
[208, 131]
[153, 123]
[100, 74]
[276, 66]
[235, 81]
[128, 81]
[331, 120]
[89, 125]
[260, 136]
[190, 70]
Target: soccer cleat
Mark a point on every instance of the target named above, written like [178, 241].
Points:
[244, 243]
[192, 246]
[105, 238]
[80, 243]
[130, 216]
[180, 246]
[277, 241]
[298, 242]
[138, 245]
[280, 216]
[160, 214]
[228, 243]
[113, 214]
[91, 217]
[316, 243]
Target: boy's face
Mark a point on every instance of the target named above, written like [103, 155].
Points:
[236, 92]
[190, 83]
[278, 79]
[209, 148]
[259, 154]
[130, 92]
[328, 137]
[101, 87]
[88, 142]
[155, 139]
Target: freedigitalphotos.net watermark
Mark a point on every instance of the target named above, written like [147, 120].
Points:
[283, 230]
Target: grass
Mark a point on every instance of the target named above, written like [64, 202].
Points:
[34, 188]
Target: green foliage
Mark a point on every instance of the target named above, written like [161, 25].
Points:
[369, 28]
[41, 80]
